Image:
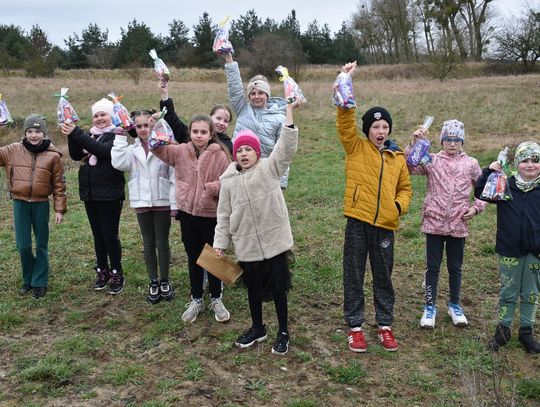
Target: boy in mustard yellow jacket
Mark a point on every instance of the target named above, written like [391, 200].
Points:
[377, 192]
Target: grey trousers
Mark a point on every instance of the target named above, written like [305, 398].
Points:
[361, 240]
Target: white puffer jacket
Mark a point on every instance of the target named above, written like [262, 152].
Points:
[151, 181]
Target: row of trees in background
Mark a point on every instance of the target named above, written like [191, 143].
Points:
[404, 31]
[380, 32]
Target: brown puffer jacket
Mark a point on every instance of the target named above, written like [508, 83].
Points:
[33, 177]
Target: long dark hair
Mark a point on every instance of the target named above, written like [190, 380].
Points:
[214, 138]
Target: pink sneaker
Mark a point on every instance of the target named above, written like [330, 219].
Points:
[387, 339]
[357, 340]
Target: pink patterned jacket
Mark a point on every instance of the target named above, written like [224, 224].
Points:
[450, 181]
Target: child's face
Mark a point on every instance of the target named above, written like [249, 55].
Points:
[200, 135]
[529, 169]
[246, 156]
[143, 126]
[452, 145]
[378, 132]
[221, 120]
[258, 98]
[34, 136]
[102, 120]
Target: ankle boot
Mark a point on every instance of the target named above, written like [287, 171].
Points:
[502, 337]
[527, 339]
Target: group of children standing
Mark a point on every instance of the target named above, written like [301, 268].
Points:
[219, 201]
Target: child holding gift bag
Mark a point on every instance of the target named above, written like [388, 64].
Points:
[451, 176]
[101, 188]
[151, 194]
[221, 117]
[518, 247]
[35, 171]
[198, 165]
[253, 215]
[377, 192]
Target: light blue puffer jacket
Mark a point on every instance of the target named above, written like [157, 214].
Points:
[265, 123]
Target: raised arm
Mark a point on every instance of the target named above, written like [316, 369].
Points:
[235, 89]
[179, 128]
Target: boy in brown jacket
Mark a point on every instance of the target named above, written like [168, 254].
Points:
[34, 171]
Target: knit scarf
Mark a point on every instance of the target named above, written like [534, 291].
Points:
[97, 133]
[41, 147]
[526, 186]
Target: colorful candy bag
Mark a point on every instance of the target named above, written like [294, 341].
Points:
[5, 116]
[162, 133]
[64, 111]
[291, 88]
[161, 69]
[120, 117]
[343, 91]
[420, 151]
[497, 188]
[222, 45]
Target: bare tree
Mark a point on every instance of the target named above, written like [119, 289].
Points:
[520, 40]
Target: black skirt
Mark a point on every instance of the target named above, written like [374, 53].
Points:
[267, 276]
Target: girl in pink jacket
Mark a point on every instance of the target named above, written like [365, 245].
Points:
[451, 176]
[198, 164]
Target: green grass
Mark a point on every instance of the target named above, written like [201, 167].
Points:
[78, 346]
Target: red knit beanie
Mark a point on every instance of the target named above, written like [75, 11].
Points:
[246, 138]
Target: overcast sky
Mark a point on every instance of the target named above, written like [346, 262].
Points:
[61, 18]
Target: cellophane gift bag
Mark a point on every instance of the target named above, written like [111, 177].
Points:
[162, 133]
[291, 89]
[65, 112]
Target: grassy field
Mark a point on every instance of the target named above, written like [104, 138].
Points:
[77, 347]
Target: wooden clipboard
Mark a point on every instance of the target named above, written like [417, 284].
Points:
[222, 267]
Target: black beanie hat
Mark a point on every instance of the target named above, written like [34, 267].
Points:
[374, 114]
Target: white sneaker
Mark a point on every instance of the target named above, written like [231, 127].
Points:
[220, 312]
[195, 306]
[456, 312]
[428, 317]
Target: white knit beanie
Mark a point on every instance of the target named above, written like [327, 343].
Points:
[103, 105]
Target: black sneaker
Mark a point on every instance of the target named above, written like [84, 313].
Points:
[25, 289]
[166, 289]
[153, 292]
[251, 336]
[102, 278]
[281, 345]
[39, 292]
[116, 282]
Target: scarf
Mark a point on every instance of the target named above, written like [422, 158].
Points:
[97, 133]
[526, 186]
[41, 147]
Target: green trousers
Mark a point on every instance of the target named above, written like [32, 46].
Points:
[520, 279]
[34, 216]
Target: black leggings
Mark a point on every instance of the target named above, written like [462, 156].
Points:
[104, 218]
[267, 278]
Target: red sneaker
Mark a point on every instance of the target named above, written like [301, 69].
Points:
[357, 340]
[387, 339]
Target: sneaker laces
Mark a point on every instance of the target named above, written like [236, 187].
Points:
[430, 312]
[355, 336]
[457, 310]
[102, 273]
[387, 335]
[116, 277]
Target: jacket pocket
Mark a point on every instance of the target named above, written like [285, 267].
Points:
[134, 189]
[164, 186]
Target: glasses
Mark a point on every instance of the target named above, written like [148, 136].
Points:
[142, 126]
[453, 140]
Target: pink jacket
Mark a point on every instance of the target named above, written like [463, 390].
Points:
[450, 180]
[197, 180]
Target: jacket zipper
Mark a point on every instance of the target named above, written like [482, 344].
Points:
[252, 215]
[32, 176]
[379, 190]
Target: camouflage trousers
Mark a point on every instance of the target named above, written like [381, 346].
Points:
[520, 279]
